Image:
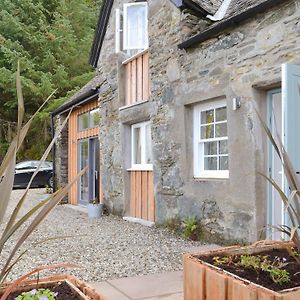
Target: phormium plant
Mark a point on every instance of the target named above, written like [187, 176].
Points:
[38, 213]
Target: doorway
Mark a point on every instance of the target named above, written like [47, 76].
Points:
[88, 153]
[275, 204]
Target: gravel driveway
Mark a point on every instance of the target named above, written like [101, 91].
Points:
[105, 248]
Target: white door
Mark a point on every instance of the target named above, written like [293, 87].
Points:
[275, 205]
[284, 111]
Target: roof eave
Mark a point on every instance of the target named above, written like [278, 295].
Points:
[189, 4]
[100, 31]
[89, 95]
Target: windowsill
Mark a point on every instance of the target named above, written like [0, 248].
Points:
[135, 56]
[141, 168]
[210, 178]
[133, 104]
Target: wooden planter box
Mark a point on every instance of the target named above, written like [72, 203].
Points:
[84, 291]
[203, 281]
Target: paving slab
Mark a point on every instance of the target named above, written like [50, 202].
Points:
[108, 291]
[178, 296]
[150, 286]
[201, 248]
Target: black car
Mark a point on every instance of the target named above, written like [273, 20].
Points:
[25, 169]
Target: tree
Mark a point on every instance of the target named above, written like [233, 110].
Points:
[52, 40]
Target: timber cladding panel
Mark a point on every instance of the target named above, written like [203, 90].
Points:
[74, 137]
[137, 79]
[142, 203]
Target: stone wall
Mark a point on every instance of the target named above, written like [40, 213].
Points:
[242, 62]
[61, 153]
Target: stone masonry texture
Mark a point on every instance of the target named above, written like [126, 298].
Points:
[244, 61]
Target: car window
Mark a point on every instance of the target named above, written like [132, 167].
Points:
[44, 165]
[24, 165]
[48, 164]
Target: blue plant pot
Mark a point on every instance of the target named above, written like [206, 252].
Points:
[95, 210]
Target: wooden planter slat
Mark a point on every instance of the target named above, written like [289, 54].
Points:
[194, 287]
[216, 285]
[203, 281]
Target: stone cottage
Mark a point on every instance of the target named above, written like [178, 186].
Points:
[175, 96]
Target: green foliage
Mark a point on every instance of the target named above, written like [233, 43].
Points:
[52, 40]
[250, 261]
[290, 200]
[279, 276]
[218, 261]
[275, 268]
[37, 295]
[24, 222]
[189, 227]
[48, 190]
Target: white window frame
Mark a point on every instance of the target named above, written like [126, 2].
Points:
[199, 171]
[90, 118]
[143, 166]
[119, 31]
[80, 115]
[126, 46]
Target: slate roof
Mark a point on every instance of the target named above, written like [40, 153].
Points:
[89, 91]
[235, 7]
[238, 6]
[209, 5]
[237, 12]
[91, 85]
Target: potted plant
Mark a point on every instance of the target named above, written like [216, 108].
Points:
[267, 270]
[26, 222]
[95, 208]
[56, 287]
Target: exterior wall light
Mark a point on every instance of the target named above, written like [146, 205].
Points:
[236, 103]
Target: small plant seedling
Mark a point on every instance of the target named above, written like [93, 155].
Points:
[189, 227]
[218, 261]
[279, 276]
[250, 261]
[48, 189]
[295, 253]
[274, 269]
[40, 294]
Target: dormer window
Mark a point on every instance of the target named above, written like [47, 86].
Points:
[132, 28]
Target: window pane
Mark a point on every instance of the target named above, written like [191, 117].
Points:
[221, 130]
[83, 121]
[95, 118]
[137, 32]
[224, 163]
[84, 160]
[207, 116]
[207, 132]
[137, 159]
[210, 148]
[24, 165]
[221, 114]
[148, 146]
[223, 149]
[210, 163]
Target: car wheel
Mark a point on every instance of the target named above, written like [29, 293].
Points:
[50, 182]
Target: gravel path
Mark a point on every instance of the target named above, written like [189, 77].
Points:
[105, 248]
